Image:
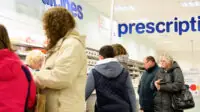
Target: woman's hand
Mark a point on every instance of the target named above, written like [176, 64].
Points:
[157, 84]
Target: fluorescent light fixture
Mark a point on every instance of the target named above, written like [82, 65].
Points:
[197, 3]
[190, 4]
[144, 20]
[124, 8]
[167, 42]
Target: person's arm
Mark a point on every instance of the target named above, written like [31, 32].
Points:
[152, 86]
[90, 85]
[139, 86]
[176, 85]
[65, 71]
[131, 94]
[139, 92]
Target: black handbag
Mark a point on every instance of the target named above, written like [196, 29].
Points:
[183, 99]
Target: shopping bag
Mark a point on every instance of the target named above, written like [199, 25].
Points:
[41, 101]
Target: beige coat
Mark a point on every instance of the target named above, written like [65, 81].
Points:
[63, 76]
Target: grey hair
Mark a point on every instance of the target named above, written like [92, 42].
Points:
[168, 57]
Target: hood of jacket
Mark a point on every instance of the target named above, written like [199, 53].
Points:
[174, 66]
[9, 61]
[6, 54]
[71, 34]
[110, 67]
[122, 58]
[75, 34]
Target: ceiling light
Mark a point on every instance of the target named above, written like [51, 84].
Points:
[197, 3]
[190, 4]
[167, 42]
[184, 4]
[144, 20]
[124, 8]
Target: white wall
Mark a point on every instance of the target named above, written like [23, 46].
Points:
[137, 47]
[185, 59]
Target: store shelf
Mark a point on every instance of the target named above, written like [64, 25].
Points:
[90, 65]
[27, 44]
[22, 53]
[136, 68]
[91, 49]
[92, 57]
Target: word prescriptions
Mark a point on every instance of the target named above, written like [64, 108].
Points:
[75, 9]
[178, 26]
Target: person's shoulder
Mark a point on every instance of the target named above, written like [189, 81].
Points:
[177, 70]
[74, 39]
[158, 69]
[70, 41]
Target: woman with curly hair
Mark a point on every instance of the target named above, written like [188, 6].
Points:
[63, 76]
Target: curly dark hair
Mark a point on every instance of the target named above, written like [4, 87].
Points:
[57, 22]
[119, 49]
[4, 39]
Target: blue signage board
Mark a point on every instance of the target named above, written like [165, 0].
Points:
[74, 8]
[176, 25]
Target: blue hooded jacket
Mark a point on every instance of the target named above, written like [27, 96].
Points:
[105, 74]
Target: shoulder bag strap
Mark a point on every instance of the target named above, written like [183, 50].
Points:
[28, 77]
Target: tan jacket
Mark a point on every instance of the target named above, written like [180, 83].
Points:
[63, 76]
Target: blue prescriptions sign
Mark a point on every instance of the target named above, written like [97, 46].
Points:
[176, 25]
[75, 9]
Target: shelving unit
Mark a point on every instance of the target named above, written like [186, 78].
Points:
[22, 53]
[135, 67]
[92, 55]
[24, 44]
[22, 48]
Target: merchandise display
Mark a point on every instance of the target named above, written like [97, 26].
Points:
[22, 48]
[92, 55]
[135, 67]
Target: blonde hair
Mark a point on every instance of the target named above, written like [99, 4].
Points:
[168, 57]
[34, 56]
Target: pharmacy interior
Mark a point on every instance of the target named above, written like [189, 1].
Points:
[144, 28]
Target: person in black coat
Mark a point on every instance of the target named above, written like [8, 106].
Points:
[164, 86]
[145, 92]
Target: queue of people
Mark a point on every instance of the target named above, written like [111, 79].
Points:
[62, 78]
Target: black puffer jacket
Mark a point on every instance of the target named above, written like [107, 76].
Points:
[162, 100]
